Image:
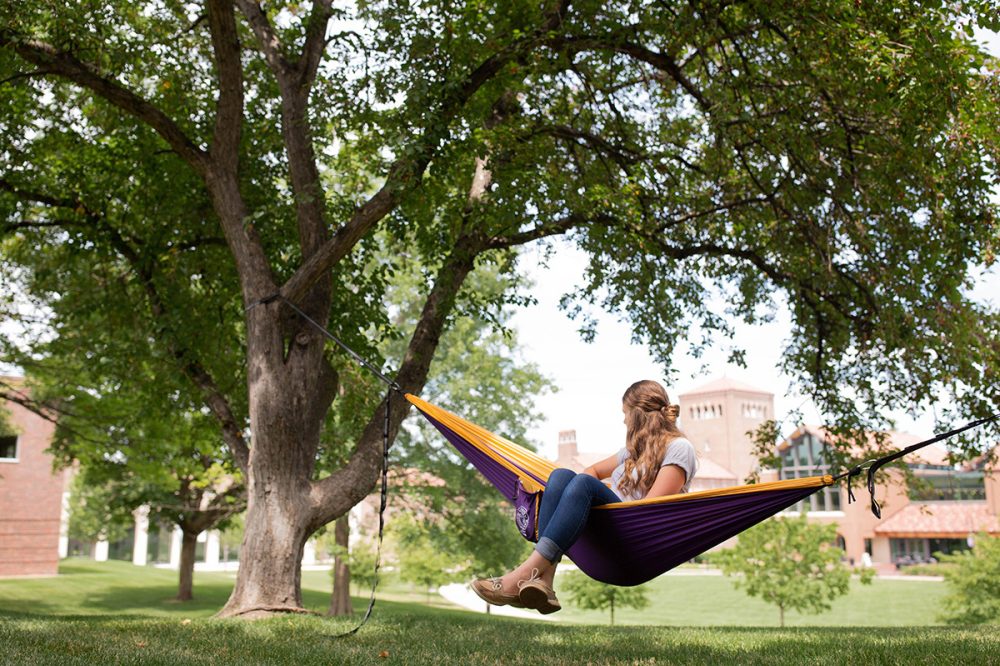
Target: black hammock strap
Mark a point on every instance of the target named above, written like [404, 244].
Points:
[877, 463]
[393, 387]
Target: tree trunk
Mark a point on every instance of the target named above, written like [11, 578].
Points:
[270, 574]
[781, 616]
[612, 612]
[340, 600]
[185, 590]
[291, 387]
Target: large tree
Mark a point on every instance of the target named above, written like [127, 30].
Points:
[836, 154]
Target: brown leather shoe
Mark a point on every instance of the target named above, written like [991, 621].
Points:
[538, 596]
[491, 591]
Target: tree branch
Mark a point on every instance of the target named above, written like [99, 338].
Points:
[225, 148]
[334, 495]
[312, 50]
[294, 84]
[232, 430]
[195, 371]
[661, 61]
[541, 231]
[406, 172]
[68, 66]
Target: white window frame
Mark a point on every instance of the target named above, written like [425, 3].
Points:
[17, 449]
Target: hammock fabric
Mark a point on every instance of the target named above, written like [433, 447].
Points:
[627, 543]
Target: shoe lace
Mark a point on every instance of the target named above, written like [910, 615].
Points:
[534, 576]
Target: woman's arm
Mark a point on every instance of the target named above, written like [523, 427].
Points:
[604, 468]
[669, 481]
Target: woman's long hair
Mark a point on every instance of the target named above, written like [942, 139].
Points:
[651, 423]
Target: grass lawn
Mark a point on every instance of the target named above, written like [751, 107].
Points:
[116, 613]
[715, 601]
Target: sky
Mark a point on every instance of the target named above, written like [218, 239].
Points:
[591, 378]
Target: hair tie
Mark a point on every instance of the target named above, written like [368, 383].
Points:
[672, 411]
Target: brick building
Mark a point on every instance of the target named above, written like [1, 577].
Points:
[940, 512]
[31, 494]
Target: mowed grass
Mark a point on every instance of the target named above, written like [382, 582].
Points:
[116, 613]
[118, 588]
[715, 601]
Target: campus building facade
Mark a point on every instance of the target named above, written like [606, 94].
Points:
[32, 493]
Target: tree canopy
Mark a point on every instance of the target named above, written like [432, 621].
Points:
[167, 167]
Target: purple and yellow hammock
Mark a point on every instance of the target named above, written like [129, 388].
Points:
[626, 543]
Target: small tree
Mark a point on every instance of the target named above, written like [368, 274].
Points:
[361, 560]
[590, 594]
[974, 583]
[791, 564]
[94, 514]
[421, 560]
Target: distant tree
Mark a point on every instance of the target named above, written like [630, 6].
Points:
[136, 447]
[340, 600]
[790, 563]
[422, 561]
[479, 374]
[94, 513]
[361, 559]
[974, 583]
[7, 428]
[590, 594]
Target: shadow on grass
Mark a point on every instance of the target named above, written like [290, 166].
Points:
[411, 634]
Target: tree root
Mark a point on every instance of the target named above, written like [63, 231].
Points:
[267, 610]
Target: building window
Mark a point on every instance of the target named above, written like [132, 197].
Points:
[948, 484]
[702, 412]
[804, 458]
[8, 448]
[868, 547]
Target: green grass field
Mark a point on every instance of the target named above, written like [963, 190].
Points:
[116, 613]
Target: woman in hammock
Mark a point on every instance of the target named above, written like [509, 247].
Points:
[657, 460]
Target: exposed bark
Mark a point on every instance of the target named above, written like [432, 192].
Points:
[340, 600]
[189, 542]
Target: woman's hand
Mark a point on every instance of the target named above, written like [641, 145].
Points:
[603, 469]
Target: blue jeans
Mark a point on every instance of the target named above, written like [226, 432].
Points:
[565, 508]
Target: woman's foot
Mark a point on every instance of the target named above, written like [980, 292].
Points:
[491, 590]
[538, 595]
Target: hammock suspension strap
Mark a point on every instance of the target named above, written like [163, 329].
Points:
[875, 464]
[392, 387]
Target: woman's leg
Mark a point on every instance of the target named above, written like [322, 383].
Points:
[570, 516]
[562, 525]
[554, 488]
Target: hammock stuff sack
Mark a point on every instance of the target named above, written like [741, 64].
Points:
[627, 543]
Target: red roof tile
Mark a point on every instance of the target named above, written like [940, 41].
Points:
[940, 520]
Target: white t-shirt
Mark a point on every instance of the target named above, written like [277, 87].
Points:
[679, 452]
